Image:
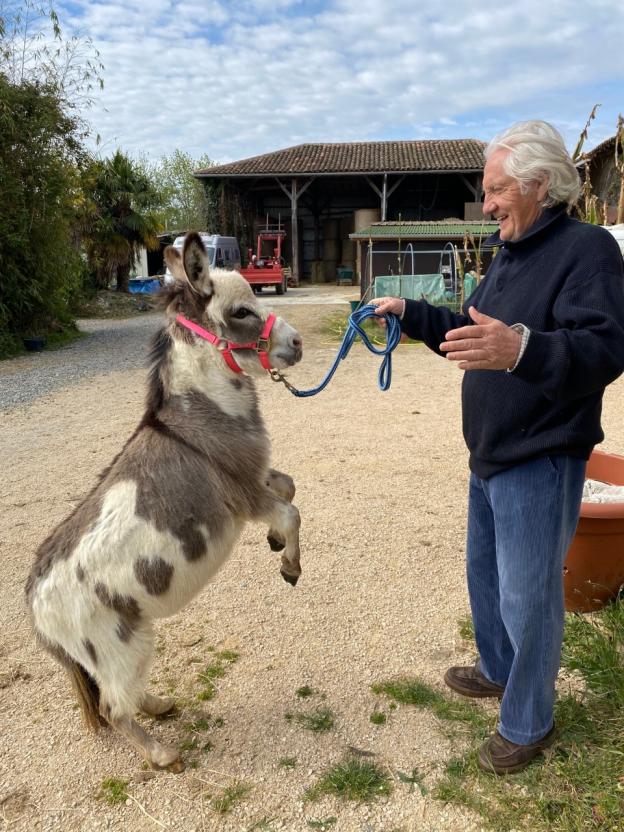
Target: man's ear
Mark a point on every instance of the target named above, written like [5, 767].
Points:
[542, 189]
[195, 264]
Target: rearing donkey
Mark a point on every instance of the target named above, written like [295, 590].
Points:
[166, 513]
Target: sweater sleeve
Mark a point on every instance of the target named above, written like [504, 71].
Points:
[424, 322]
[586, 351]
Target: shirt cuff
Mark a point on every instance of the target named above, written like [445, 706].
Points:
[525, 332]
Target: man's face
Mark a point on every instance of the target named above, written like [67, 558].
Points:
[516, 212]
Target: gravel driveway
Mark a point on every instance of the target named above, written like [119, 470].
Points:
[381, 486]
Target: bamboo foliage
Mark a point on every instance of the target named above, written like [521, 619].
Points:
[619, 166]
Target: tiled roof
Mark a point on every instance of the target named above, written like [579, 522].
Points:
[360, 157]
[607, 144]
[440, 230]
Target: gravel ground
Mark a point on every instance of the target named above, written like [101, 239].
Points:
[381, 486]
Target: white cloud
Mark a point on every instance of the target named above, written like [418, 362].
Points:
[235, 79]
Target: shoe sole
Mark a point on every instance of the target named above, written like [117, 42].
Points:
[473, 694]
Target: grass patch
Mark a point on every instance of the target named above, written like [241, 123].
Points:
[352, 779]
[113, 791]
[263, 825]
[216, 669]
[305, 691]
[579, 785]
[412, 692]
[378, 718]
[317, 721]
[334, 327]
[415, 778]
[322, 823]
[229, 797]
[287, 762]
[466, 629]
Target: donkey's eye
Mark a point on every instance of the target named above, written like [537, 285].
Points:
[241, 313]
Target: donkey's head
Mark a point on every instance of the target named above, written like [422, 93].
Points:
[223, 303]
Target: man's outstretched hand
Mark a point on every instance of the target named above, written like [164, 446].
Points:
[487, 345]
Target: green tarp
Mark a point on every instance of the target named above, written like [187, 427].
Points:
[413, 286]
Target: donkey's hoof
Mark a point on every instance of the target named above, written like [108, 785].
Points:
[290, 579]
[275, 544]
[166, 757]
[157, 705]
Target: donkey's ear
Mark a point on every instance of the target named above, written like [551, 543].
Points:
[173, 259]
[196, 266]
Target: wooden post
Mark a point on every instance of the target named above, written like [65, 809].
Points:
[384, 198]
[294, 232]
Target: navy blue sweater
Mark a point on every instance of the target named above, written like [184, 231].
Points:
[564, 280]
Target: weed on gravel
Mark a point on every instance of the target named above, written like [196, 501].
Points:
[318, 721]
[305, 691]
[216, 669]
[287, 762]
[113, 790]
[352, 779]
[229, 797]
[322, 823]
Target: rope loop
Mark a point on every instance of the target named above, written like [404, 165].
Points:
[356, 319]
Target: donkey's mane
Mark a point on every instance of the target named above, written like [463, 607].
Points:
[160, 346]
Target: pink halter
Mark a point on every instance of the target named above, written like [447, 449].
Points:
[261, 346]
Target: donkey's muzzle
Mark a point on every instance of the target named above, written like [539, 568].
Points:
[290, 579]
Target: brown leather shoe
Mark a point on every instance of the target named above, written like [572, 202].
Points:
[469, 681]
[501, 756]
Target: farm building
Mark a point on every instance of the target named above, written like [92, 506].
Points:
[323, 193]
[606, 182]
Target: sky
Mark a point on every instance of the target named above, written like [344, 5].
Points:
[238, 78]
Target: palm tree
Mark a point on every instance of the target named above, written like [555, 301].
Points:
[119, 218]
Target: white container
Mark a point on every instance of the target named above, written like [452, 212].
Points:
[618, 233]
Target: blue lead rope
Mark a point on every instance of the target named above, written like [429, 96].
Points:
[393, 336]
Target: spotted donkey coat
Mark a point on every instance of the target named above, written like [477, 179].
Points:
[167, 512]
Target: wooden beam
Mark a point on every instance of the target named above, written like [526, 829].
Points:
[294, 231]
[475, 190]
[293, 194]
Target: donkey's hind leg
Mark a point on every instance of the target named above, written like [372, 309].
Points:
[156, 754]
[283, 486]
[156, 705]
[121, 675]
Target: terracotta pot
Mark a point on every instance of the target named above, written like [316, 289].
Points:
[594, 568]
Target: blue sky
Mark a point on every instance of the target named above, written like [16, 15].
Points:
[240, 78]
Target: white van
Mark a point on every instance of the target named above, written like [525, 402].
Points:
[223, 252]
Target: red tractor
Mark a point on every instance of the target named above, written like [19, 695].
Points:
[263, 270]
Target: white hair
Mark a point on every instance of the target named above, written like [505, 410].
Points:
[537, 153]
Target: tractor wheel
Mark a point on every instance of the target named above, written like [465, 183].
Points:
[280, 288]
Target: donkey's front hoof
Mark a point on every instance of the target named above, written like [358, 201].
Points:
[275, 544]
[290, 579]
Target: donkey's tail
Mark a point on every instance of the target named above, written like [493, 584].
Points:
[87, 693]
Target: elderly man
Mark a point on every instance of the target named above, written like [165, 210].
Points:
[540, 338]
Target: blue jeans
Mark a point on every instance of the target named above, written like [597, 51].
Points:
[520, 525]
